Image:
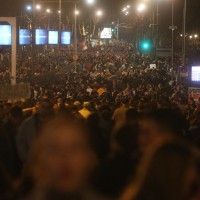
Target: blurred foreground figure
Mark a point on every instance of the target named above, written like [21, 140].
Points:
[10, 165]
[159, 124]
[114, 174]
[31, 126]
[60, 163]
[168, 171]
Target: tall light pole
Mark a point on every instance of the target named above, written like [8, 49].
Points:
[173, 28]
[75, 56]
[98, 14]
[60, 14]
[33, 7]
[75, 30]
[90, 2]
[184, 31]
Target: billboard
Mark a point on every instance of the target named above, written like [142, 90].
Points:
[53, 37]
[65, 38]
[106, 33]
[195, 74]
[5, 35]
[24, 37]
[41, 36]
[14, 92]
[194, 93]
[152, 66]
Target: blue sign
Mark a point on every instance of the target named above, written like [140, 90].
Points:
[53, 37]
[24, 37]
[5, 35]
[65, 38]
[41, 37]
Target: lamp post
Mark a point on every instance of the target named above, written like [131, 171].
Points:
[141, 9]
[75, 35]
[173, 28]
[76, 12]
[184, 31]
[60, 14]
[97, 16]
[90, 2]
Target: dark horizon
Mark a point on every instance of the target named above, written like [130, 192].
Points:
[113, 8]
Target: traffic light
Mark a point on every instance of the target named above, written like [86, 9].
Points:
[145, 46]
[113, 27]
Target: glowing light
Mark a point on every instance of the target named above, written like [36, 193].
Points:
[38, 7]
[141, 7]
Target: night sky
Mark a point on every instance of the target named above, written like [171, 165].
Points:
[114, 7]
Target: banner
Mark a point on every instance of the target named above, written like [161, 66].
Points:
[15, 92]
[194, 93]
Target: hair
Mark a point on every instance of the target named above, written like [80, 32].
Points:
[170, 120]
[126, 138]
[132, 115]
[16, 112]
[161, 173]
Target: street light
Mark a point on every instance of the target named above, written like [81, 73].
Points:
[99, 13]
[38, 7]
[29, 8]
[77, 12]
[141, 7]
[90, 1]
[125, 9]
[48, 10]
[126, 13]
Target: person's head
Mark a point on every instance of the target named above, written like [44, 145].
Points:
[125, 140]
[168, 171]
[15, 115]
[160, 123]
[61, 158]
[132, 116]
[93, 120]
[77, 106]
[45, 109]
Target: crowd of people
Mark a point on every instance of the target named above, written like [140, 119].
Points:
[107, 126]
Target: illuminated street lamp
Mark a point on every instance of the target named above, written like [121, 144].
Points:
[90, 1]
[38, 7]
[99, 13]
[59, 12]
[77, 12]
[125, 9]
[195, 36]
[48, 10]
[141, 7]
[29, 8]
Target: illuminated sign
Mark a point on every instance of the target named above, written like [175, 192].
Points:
[5, 35]
[106, 33]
